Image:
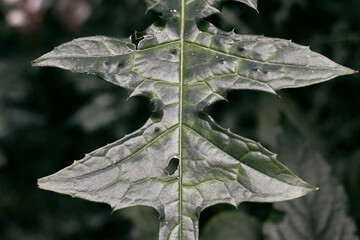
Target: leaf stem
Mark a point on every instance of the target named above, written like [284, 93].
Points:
[182, 29]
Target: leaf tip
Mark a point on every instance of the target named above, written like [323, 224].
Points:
[250, 3]
[35, 63]
[40, 61]
[311, 189]
[40, 183]
[254, 6]
[349, 71]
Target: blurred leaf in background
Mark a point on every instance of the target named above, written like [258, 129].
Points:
[320, 215]
[232, 225]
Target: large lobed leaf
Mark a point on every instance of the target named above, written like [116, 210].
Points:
[183, 65]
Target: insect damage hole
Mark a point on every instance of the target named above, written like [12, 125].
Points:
[172, 166]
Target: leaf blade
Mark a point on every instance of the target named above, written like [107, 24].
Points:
[182, 67]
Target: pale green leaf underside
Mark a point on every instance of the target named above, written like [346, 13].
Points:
[183, 67]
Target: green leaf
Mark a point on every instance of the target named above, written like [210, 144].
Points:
[232, 225]
[183, 65]
[321, 215]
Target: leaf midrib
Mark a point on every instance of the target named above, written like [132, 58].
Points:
[182, 30]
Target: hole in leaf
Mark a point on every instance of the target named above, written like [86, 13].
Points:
[240, 48]
[172, 166]
[173, 51]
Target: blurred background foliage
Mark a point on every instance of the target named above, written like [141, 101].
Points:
[49, 117]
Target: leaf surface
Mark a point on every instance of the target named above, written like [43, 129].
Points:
[321, 215]
[183, 65]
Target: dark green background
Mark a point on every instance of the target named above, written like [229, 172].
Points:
[49, 117]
